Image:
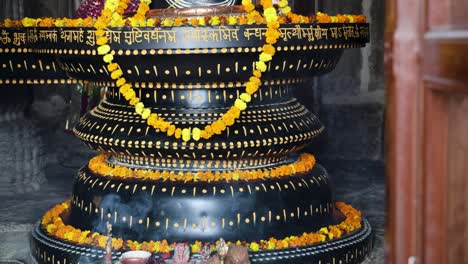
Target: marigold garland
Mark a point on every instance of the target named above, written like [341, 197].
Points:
[112, 15]
[321, 18]
[99, 166]
[270, 16]
[156, 121]
[54, 226]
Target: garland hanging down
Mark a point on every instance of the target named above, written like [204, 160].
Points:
[113, 16]
[113, 11]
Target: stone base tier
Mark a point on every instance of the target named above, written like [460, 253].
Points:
[145, 210]
[351, 248]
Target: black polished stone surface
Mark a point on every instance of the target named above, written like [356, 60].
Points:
[146, 210]
[360, 183]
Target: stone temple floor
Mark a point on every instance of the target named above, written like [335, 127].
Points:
[360, 183]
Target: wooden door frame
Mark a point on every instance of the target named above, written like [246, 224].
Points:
[421, 79]
[404, 123]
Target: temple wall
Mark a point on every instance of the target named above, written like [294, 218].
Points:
[350, 100]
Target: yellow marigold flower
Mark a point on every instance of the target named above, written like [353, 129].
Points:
[265, 57]
[283, 3]
[150, 22]
[246, 2]
[124, 88]
[116, 74]
[152, 119]
[245, 97]
[139, 108]
[350, 18]
[109, 6]
[196, 247]
[232, 20]
[134, 22]
[261, 66]
[51, 228]
[29, 22]
[121, 81]
[134, 101]
[271, 245]
[323, 230]
[59, 23]
[201, 21]
[102, 40]
[146, 113]
[270, 14]
[8, 22]
[186, 134]
[100, 32]
[334, 19]
[240, 104]
[196, 132]
[117, 22]
[116, 16]
[104, 49]
[254, 246]
[167, 22]
[171, 130]
[214, 21]
[286, 10]
[108, 58]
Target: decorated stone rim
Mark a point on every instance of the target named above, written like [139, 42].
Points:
[187, 37]
[364, 234]
[52, 222]
[304, 164]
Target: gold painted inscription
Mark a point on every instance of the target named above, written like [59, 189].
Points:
[47, 35]
[211, 35]
[19, 38]
[312, 33]
[5, 37]
[70, 36]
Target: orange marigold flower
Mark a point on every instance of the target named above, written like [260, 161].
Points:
[46, 22]
[249, 7]
[194, 22]
[267, 48]
[178, 133]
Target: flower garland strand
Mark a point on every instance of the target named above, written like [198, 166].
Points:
[177, 21]
[53, 225]
[99, 166]
[153, 119]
